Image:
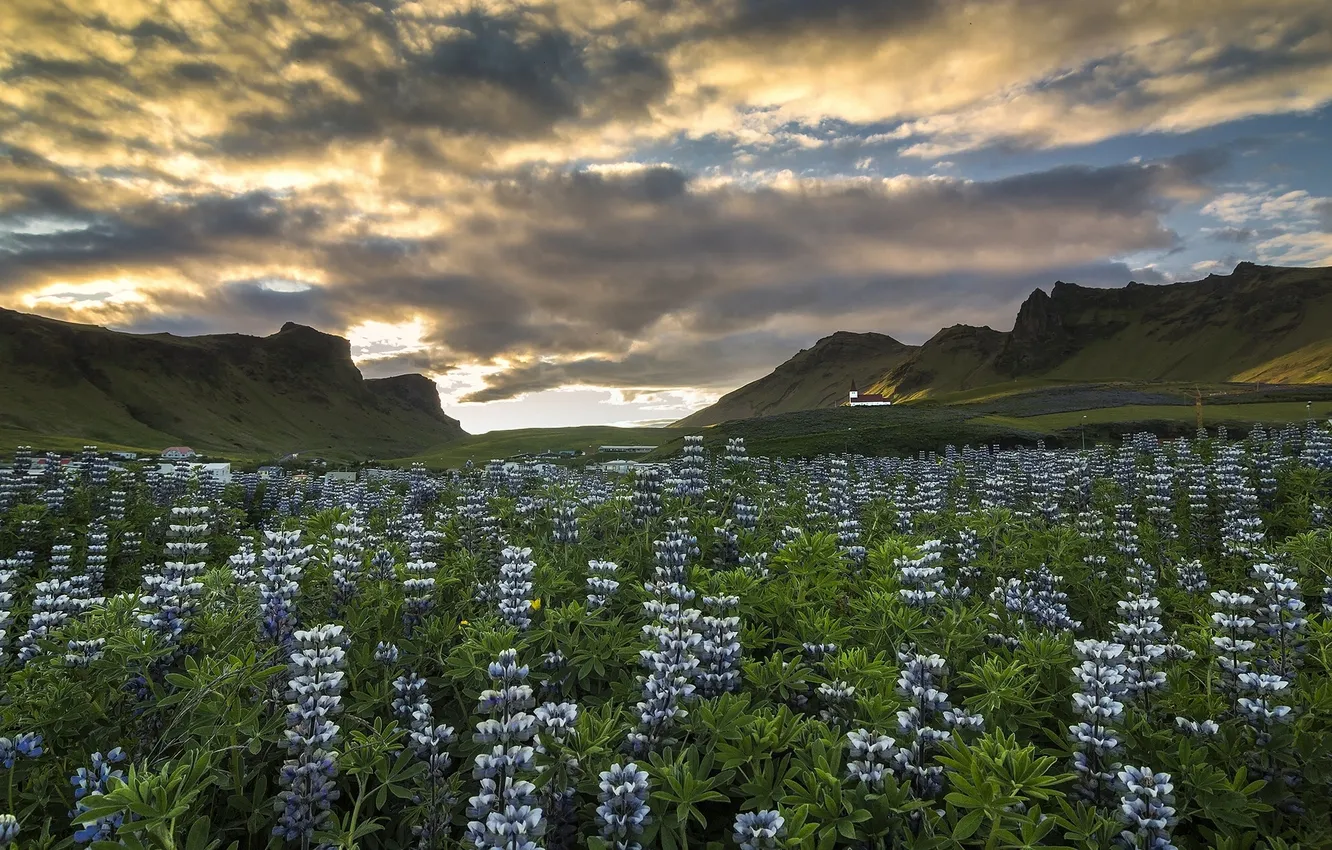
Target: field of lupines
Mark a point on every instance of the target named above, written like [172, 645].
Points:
[1127, 646]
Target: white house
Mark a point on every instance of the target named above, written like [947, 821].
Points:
[178, 453]
[220, 473]
[625, 450]
[619, 467]
[859, 399]
[330, 477]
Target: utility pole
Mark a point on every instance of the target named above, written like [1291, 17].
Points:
[1084, 432]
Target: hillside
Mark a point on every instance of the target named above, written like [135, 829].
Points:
[1260, 323]
[296, 390]
[815, 377]
[960, 357]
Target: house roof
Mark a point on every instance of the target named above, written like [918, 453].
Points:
[177, 449]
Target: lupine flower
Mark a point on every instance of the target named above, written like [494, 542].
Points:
[556, 722]
[82, 653]
[307, 776]
[918, 681]
[1234, 623]
[1139, 634]
[601, 584]
[719, 651]
[554, 676]
[418, 593]
[646, 499]
[386, 653]
[170, 599]
[504, 814]
[872, 758]
[93, 781]
[1147, 808]
[922, 577]
[672, 665]
[1037, 597]
[429, 743]
[28, 745]
[279, 583]
[1192, 577]
[839, 699]
[8, 584]
[409, 696]
[759, 830]
[9, 830]
[1279, 615]
[347, 562]
[693, 480]
[1100, 677]
[515, 586]
[565, 527]
[1198, 728]
[623, 812]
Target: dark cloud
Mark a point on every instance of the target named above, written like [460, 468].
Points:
[508, 76]
[154, 233]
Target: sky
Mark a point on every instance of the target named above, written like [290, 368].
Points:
[613, 211]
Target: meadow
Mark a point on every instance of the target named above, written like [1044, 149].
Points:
[1126, 645]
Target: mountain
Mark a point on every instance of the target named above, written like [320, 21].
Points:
[296, 390]
[816, 377]
[1258, 324]
[1264, 324]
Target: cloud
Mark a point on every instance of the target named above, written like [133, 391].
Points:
[512, 176]
[1291, 226]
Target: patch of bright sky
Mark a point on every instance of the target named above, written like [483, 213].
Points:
[41, 225]
[84, 295]
[370, 340]
[566, 407]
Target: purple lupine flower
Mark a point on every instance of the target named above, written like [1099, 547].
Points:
[1100, 676]
[873, 758]
[719, 651]
[759, 830]
[315, 691]
[94, 781]
[1147, 808]
[505, 814]
[279, 584]
[622, 810]
[515, 586]
[9, 830]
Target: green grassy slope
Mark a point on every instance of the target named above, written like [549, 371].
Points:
[296, 390]
[816, 377]
[480, 448]
[960, 358]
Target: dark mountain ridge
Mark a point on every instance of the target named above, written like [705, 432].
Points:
[297, 389]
